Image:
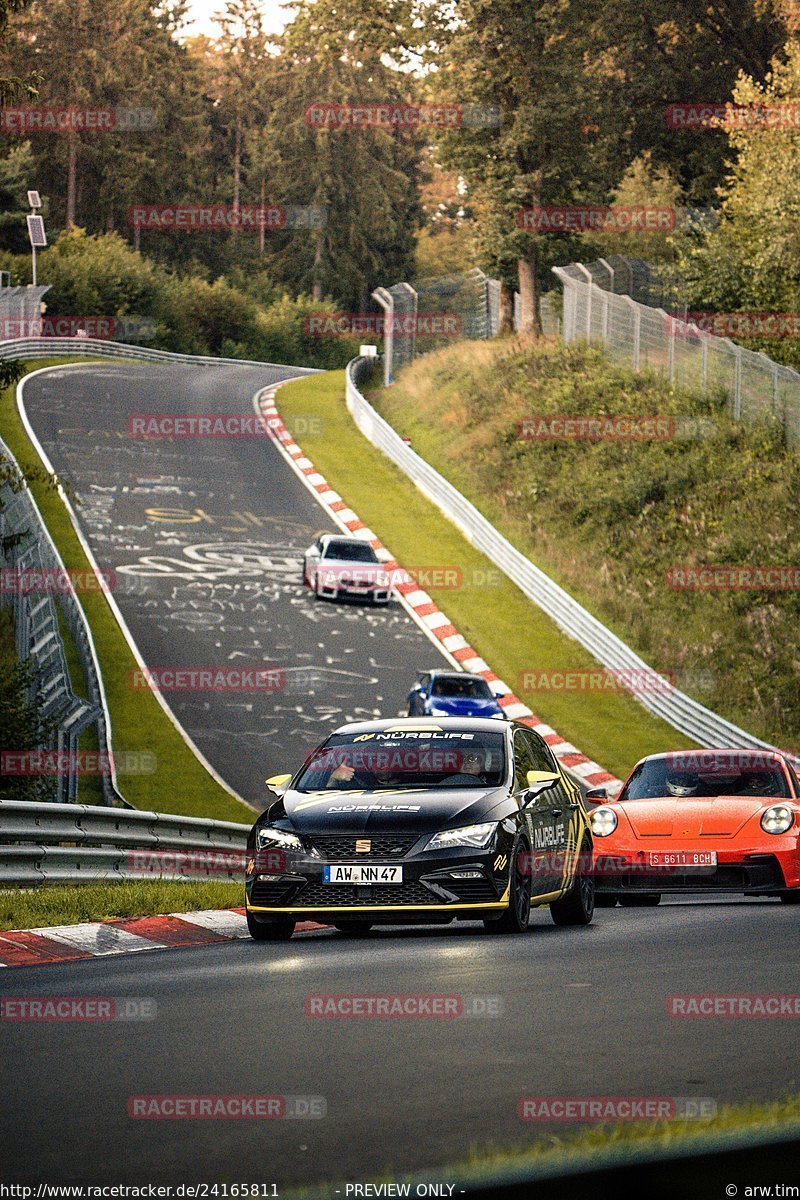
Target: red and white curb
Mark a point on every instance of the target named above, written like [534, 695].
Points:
[99, 939]
[425, 610]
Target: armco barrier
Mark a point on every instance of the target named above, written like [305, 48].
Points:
[679, 710]
[78, 843]
[31, 348]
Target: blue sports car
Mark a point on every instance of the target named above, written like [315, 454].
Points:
[453, 694]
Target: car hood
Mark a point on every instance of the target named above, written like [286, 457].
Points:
[463, 706]
[357, 812]
[713, 816]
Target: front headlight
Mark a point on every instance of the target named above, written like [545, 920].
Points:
[476, 836]
[439, 712]
[603, 821]
[777, 819]
[267, 836]
[382, 579]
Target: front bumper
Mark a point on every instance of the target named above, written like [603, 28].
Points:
[738, 871]
[436, 885]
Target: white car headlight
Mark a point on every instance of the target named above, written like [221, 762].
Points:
[382, 579]
[777, 819]
[476, 836]
[603, 821]
[267, 836]
[439, 712]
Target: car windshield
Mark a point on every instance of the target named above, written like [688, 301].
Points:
[407, 759]
[350, 552]
[451, 685]
[707, 775]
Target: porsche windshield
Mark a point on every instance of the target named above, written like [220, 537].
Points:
[471, 689]
[703, 776]
[350, 552]
[373, 761]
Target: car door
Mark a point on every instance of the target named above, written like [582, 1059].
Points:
[563, 810]
[537, 817]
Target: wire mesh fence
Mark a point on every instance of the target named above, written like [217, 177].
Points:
[651, 338]
[428, 313]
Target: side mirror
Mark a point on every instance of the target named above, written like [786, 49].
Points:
[595, 796]
[538, 782]
[277, 783]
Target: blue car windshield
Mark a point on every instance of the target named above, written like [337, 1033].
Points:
[407, 759]
[467, 689]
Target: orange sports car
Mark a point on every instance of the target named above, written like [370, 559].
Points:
[699, 821]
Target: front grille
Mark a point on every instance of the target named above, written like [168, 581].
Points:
[342, 847]
[272, 892]
[326, 895]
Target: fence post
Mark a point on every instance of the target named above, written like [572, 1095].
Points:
[637, 330]
[737, 384]
[704, 360]
[386, 300]
[671, 348]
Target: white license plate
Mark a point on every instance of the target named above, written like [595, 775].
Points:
[361, 873]
[683, 858]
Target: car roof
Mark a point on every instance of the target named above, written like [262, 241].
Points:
[707, 753]
[427, 724]
[449, 673]
[343, 537]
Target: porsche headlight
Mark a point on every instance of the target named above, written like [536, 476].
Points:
[603, 821]
[267, 836]
[777, 819]
[476, 836]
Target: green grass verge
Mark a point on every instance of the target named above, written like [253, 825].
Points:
[180, 784]
[599, 1145]
[510, 632]
[608, 520]
[98, 901]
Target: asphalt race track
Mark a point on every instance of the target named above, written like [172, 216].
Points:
[578, 1013]
[584, 1014]
[205, 538]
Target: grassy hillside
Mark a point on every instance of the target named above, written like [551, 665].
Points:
[609, 519]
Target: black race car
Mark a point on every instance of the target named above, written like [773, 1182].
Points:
[421, 821]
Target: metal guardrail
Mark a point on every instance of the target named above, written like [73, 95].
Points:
[31, 348]
[79, 843]
[688, 716]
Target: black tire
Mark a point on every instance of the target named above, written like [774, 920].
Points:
[516, 916]
[791, 897]
[276, 929]
[353, 928]
[641, 900]
[576, 907]
[606, 900]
